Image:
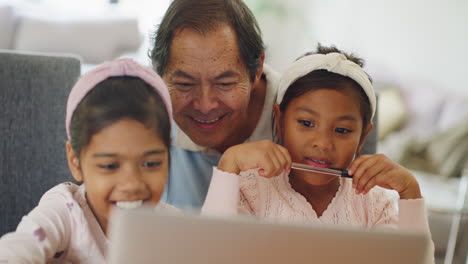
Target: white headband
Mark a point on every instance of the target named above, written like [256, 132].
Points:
[332, 62]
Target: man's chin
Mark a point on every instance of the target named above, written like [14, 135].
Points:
[206, 141]
[206, 135]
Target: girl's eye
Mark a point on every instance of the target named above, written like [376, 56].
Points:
[306, 123]
[152, 164]
[343, 130]
[111, 166]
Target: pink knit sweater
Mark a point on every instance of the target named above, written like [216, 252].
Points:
[61, 229]
[275, 199]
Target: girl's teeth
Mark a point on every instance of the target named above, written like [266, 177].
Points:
[129, 204]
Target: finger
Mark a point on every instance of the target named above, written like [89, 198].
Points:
[355, 164]
[284, 159]
[271, 164]
[372, 174]
[287, 157]
[366, 170]
[261, 172]
[375, 168]
[369, 185]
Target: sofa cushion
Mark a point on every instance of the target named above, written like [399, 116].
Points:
[33, 93]
[7, 24]
[94, 39]
[392, 111]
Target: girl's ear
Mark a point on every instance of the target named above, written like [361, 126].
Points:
[73, 163]
[364, 135]
[277, 113]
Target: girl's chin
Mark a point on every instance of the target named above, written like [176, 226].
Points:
[314, 178]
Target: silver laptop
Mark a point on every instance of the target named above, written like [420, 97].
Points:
[146, 236]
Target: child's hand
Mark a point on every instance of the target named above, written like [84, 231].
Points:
[269, 157]
[371, 170]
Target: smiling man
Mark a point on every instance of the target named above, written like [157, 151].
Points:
[210, 54]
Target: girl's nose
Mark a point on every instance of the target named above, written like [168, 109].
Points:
[133, 186]
[322, 140]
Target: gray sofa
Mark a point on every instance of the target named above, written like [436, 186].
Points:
[33, 93]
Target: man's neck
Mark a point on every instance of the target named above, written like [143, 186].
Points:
[255, 109]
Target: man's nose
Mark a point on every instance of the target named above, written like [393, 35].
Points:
[205, 100]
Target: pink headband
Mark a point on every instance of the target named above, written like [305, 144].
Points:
[118, 67]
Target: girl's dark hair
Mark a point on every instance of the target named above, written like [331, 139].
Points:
[319, 79]
[116, 98]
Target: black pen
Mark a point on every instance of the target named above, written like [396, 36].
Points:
[330, 171]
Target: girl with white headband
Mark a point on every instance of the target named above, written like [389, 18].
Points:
[118, 126]
[324, 112]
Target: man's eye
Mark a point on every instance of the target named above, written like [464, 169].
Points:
[225, 85]
[152, 164]
[111, 166]
[342, 130]
[306, 123]
[184, 86]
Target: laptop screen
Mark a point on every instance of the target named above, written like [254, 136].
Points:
[145, 236]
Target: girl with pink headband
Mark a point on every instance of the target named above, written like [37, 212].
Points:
[324, 112]
[118, 125]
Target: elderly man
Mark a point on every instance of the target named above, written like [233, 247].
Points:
[210, 54]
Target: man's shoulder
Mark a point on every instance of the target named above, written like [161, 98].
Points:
[272, 78]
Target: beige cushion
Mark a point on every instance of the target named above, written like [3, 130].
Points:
[392, 111]
[7, 24]
[95, 40]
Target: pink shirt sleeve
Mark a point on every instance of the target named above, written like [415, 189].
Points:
[406, 215]
[223, 194]
[61, 229]
[40, 235]
[413, 217]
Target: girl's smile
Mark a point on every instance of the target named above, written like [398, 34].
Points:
[125, 165]
[322, 128]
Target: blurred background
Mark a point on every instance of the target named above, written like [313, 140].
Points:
[415, 51]
[418, 40]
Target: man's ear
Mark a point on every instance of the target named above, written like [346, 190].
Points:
[277, 113]
[258, 74]
[364, 135]
[73, 163]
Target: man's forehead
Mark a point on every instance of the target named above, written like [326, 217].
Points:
[216, 44]
[206, 30]
[214, 74]
[214, 55]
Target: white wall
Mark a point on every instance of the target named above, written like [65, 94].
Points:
[405, 42]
